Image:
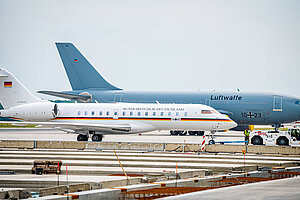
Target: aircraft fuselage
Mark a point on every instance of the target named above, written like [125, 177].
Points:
[244, 108]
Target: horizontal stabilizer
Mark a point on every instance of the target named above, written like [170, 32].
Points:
[75, 97]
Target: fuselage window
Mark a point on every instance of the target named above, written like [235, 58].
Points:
[115, 113]
[131, 113]
[146, 113]
[162, 114]
[124, 113]
[169, 114]
[154, 113]
[297, 102]
[85, 112]
[107, 113]
[79, 113]
[177, 114]
[93, 113]
[100, 113]
[185, 114]
[139, 113]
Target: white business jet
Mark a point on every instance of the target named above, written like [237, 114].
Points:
[98, 119]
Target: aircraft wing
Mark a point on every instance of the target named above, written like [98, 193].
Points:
[76, 97]
[78, 127]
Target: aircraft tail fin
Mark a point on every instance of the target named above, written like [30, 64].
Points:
[12, 92]
[82, 75]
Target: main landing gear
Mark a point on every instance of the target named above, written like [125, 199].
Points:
[82, 137]
[95, 137]
[277, 126]
[182, 133]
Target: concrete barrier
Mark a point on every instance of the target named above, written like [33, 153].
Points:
[63, 189]
[126, 146]
[16, 144]
[149, 147]
[60, 145]
[253, 149]
[53, 190]
[98, 194]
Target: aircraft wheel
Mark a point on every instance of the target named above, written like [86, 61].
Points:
[256, 140]
[82, 137]
[193, 132]
[211, 142]
[182, 133]
[97, 137]
[173, 132]
[201, 133]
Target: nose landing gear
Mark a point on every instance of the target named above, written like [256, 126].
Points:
[211, 133]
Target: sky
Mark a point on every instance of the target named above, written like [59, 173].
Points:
[157, 45]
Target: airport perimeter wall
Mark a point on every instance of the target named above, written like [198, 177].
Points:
[139, 146]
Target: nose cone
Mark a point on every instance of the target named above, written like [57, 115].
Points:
[233, 124]
[227, 123]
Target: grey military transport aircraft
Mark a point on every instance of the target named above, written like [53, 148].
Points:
[245, 108]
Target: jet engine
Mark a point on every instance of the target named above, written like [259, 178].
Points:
[38, 111]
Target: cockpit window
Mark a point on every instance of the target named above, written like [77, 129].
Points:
[297, 102]
[206, 112]
[215, 112]
[209, 112]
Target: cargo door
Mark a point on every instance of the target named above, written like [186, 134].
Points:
[277, 103]
[118, 97]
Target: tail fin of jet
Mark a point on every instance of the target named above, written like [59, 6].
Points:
[12, 92]
[82, 75]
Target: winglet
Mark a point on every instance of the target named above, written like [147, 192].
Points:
[82, 75]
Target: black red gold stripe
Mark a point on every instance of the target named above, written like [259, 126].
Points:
[142, 118]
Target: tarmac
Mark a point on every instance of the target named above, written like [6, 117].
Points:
[100, 168]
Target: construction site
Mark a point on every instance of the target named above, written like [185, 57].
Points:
[49, 169]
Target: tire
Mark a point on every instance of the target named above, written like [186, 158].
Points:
[182, 133]
[282, 141]
[193, 132]
[82, 137]
[97, 138]
[173, 132]
[257, 140]
[211, 142]
[200, 133]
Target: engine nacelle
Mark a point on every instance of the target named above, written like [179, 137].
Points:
[38, 111]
